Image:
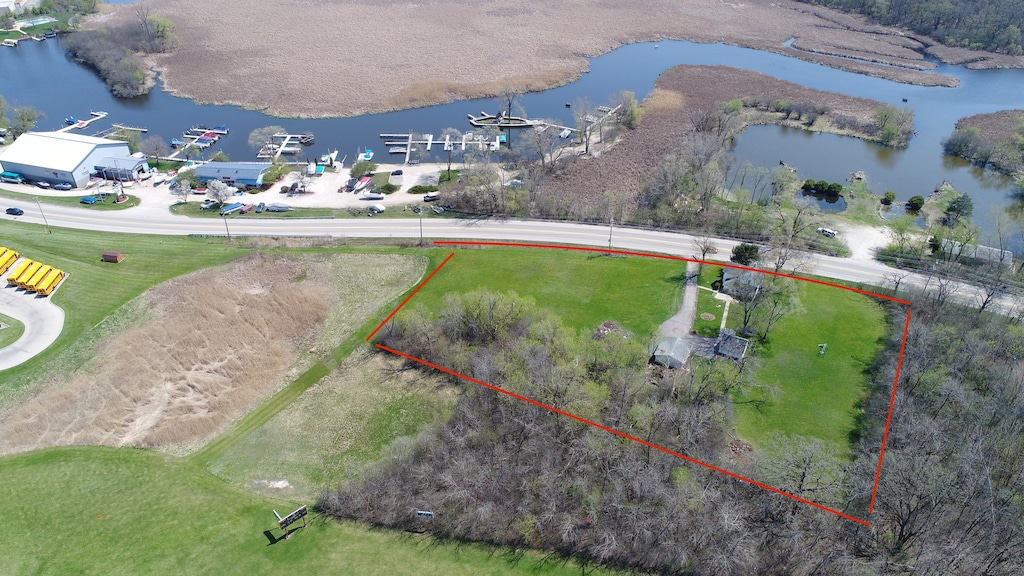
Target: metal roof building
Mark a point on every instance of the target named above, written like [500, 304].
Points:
[57, 157]
[248, 174]
[672, 352]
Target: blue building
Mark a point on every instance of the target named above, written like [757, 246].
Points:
[239, 174]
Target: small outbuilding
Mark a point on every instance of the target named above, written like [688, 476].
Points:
[672, 352]
[731, 346]
[112, 256]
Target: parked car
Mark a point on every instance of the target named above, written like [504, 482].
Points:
[207, 204]
[260, 208]
[62, 186]
[88, 200]
[376, 208]
[43, 185]
[396, 172]
[199, 190]
[15, 211]
[247, 208]
[431, 196]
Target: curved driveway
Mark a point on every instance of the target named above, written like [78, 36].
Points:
[153, 220]
[43, 322]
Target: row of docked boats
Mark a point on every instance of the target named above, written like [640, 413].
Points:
[202, 137]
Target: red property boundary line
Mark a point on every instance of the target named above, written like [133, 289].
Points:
[892, 400]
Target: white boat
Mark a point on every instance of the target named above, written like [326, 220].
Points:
[366, 155]
[159, 179]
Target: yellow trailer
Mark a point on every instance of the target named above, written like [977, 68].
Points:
[13, 278]
[37, 278]
[27, 274]
[51, 285]
[51, 279]
[7, 259]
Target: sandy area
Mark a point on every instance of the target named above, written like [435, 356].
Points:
[348, 57]
[201, 350]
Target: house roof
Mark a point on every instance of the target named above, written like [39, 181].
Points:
[55, 150]
[673, 347]
[731, 345]
[233, 170]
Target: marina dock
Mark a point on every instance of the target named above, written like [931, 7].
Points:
[281, 143]
[82, 124]
[406, 143]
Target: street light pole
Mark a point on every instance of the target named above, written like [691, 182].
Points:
[421, 226]
[611, 226]
[225, 217]
[40, 206]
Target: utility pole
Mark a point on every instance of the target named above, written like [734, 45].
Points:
[40, 206]
[421, 226]
[611, 226]
[225, 217]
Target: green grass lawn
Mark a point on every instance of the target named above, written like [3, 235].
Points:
[192, 209]
[103, 203]
[708, 304]
[121, 511]
[583, 288]
[11, 331]
[818, 395]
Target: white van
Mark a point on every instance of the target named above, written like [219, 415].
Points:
[828, 232]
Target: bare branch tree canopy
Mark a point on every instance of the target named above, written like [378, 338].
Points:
[950, 498]
[262, 136]
[219, 191]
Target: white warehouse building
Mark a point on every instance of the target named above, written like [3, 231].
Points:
[56, 157]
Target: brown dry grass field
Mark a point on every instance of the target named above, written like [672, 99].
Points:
[583, 185]
[201, 350]
[349, 57]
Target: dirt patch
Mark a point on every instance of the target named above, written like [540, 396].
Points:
[707, 316]
[208, 348]
[368, 56]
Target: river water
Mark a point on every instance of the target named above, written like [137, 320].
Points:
[41, 75]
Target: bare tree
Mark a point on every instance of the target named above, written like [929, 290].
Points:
[583, 114]
[453, 145]
[181, 190]
[154, 147]
[219, 191]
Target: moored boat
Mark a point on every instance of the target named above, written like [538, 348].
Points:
[366, 155]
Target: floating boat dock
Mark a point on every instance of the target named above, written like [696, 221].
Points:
[406, 143]
[81, 124]
[202, 137]
[282, 143]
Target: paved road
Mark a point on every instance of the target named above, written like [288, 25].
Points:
[43, 322]
[157, 220]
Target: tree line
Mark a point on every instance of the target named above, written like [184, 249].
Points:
[114, 51]
[993, 25]
[505, 472]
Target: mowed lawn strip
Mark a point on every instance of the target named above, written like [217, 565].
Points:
[120, 511]
[818, 395]
[584, 289]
